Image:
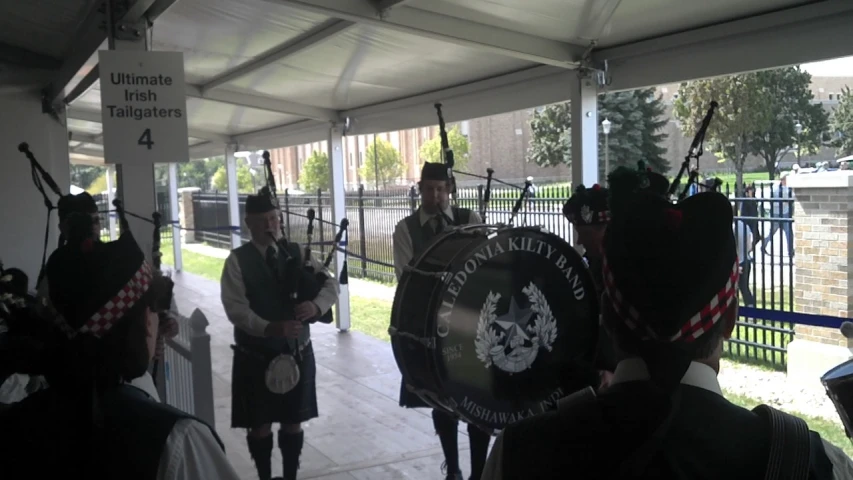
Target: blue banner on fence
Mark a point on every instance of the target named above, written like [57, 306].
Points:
[792, 317]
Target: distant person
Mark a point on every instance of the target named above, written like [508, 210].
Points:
[780, 209]
[749, 208]
[745, 244]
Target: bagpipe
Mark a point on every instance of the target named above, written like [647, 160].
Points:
[697, 147]
[41, 177]
[450, 162]
[302, 281]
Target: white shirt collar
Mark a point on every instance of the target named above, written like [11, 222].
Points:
[426, 217]
[146, 384]
[697, 375]
[263, 248]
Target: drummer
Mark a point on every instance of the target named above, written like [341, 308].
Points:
[411, 236]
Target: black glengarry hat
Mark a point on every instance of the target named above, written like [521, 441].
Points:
[93, 284]
[434, 171]
[260, 203]
[624, 182]
[80, 203]
[648, 247]
[588, 206]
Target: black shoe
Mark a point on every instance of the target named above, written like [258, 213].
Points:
[450, 476]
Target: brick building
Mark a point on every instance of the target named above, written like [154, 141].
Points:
[500, 142]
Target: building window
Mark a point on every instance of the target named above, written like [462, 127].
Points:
[360, 158]
[351, 160]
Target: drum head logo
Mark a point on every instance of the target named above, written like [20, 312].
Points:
[512, 341]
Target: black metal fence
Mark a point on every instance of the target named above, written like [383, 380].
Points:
[105, 209]
[760, 213]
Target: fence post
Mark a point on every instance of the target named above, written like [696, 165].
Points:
[362, 231]
[413, 198]
[202, 368]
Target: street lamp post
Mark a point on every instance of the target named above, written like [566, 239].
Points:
[799, 129]
[605, 127]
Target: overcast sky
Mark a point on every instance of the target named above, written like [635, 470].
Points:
[840, 67]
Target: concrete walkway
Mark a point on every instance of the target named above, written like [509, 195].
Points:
[361, 433]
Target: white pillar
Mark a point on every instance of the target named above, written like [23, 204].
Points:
[111, 217]
[233, 194]
[339, 212]
[584, 109]
[584, 105]
[176, 227]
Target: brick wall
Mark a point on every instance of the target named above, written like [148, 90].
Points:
[822, 233]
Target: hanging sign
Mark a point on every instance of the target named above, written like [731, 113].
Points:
[143, 107]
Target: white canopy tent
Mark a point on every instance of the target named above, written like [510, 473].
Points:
[272, 73]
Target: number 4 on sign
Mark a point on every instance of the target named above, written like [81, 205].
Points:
[145, 139]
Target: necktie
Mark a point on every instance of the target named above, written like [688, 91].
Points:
[272, 262]
[439, 224]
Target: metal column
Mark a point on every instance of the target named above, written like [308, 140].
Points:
[233, 194]
[339, 212]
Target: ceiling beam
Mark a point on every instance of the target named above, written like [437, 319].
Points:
[90, 36]
[810, 34]
[21, 57]
[449, 29]
[95, 117]
[286, 49]
[750, 26]
[306, 131]
[263, 103]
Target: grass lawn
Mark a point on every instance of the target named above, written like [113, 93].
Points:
[368, 315]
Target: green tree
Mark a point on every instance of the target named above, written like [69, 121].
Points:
[743, 113]
[431, 149]
[383, 164]
[842, 124]
[83, 175]
[199, 173]
[99, 185]
[636, 132]
[244, 179]
[788, 100]
[315, 173]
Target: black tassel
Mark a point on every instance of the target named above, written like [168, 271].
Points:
[344, 277]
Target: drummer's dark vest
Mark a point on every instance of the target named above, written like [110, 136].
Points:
[709, 438]
[135, 434]
[422, 235]
[266, 297]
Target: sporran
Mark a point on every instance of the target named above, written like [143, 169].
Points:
[282, 374]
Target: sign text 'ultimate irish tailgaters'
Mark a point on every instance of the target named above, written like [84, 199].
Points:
[138, 91]
[143, 104]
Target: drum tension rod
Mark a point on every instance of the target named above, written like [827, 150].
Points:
[441, 275]
[426, 342]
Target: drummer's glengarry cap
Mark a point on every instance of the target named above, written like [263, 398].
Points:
[260, 203]
[670, 271]
[434, 171]
[588, 206]
[93, 285]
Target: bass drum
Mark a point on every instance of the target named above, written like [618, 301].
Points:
[487, 318]
[838, 383]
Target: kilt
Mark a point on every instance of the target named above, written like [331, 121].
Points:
[253, 405]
